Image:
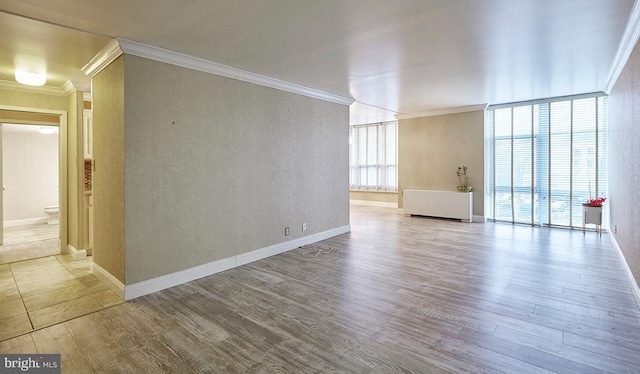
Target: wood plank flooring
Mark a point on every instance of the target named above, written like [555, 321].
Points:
[397, 294]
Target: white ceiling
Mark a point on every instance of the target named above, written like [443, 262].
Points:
[392, 57]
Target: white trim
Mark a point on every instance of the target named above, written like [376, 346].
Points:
[26, 221]
[68, 88]
[479, 219]
[630, 278]
[170, 57]
[106, 56]
[174, 279]
[77, 254]
[47, 90]
[440, 112]
[259, 254]
[114, 284]
[627, 44]
[383, 204]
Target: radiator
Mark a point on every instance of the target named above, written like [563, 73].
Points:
[445, 204]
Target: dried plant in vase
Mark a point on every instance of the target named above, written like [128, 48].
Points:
[463, 179]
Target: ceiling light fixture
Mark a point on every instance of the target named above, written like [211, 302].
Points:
[31, 78]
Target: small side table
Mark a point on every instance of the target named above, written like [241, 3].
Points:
[592, 214]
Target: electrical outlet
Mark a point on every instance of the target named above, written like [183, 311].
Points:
[304, 226]
[286, 231]
[615, 229]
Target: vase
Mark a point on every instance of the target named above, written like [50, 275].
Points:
[464, 188]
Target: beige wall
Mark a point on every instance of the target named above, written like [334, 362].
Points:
[381, 197]
[42, 101]
[624, 168]
[108, 175]
[213, 167]
[32, 100]
[75, 203]
[430, 149]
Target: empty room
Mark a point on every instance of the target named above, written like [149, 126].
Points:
[436, 186]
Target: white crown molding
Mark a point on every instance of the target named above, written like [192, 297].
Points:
[107, 55]
[179, 59]
[170, 280]
[439, 112]
[47, 90]
[627, 44]
[68, 88]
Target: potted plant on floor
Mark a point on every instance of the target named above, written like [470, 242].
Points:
[463, 179]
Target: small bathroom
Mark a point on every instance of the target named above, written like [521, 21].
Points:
[30, 183]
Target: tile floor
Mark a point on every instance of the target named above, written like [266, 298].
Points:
[48, 290]
[29, 241]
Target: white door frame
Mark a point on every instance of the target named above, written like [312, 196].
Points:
[62, 169]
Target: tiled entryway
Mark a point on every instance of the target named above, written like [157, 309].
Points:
[45, 291]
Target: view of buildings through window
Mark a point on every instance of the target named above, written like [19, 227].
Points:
[545, 159]
[373, 157]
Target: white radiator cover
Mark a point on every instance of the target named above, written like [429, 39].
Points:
[445, 204]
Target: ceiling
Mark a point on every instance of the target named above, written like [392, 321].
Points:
[392, 57]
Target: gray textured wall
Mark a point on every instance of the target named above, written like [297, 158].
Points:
[624, 168]
[216, 167]
[430, 149]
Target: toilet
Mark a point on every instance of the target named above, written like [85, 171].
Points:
[52, 213]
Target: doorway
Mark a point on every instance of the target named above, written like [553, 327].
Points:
[30, 199]
[22, 211]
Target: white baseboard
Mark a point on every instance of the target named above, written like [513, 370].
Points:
[78, 254]
[114, 284]
[174, 279]
[632, 281]
[374, 203]
[26, 221]
[259, 254]
[479, 219]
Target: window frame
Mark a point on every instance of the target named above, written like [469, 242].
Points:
[542, 135]
[360, 177]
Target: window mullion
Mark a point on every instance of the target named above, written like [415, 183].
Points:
[533, 168]
[571, 166]
[513, 212]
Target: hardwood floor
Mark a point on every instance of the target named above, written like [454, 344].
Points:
[397, 294]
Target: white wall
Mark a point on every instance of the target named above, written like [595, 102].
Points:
[30, 172]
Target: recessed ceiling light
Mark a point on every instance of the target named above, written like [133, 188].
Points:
[31, 78]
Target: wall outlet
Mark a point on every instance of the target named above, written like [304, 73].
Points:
[286, 231]
[615, 229]
[304, 226]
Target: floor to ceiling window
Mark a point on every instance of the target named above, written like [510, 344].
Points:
[373, 154]
[546, 158]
